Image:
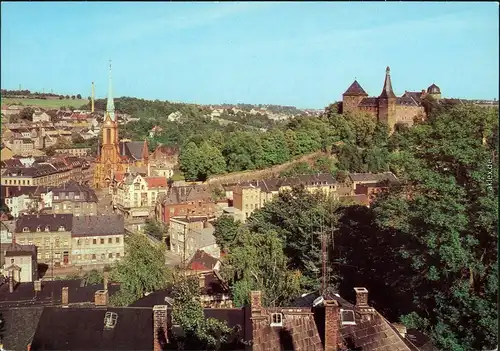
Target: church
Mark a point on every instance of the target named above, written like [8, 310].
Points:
[387, 107]
[115, 155]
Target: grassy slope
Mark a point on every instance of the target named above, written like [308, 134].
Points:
[45, 103]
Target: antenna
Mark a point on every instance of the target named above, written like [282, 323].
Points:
[92, 98]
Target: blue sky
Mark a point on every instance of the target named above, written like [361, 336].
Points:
[303, 54]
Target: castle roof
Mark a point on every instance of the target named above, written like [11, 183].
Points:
[355, 90]
[387, 91]
[433, 89]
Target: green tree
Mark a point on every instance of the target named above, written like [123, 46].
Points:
[256, 261]
[275, 150]
[190, 161]
[154, 229]
[27, 114]
[446, 219]
[298, 169]
[212, 161]
[187, 312]
[94, 277]
[142, 270]
[225, 232]
[350, 159]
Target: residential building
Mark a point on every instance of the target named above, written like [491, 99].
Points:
[203, 262]
[136, 195]
[189, 234]
[74, 198]
[193, 200]
[40, 116]
[6, 154]
[20, 199]
[97, 240]
[165, 156]
[22, 146]
[166, 172]
[51, 234]
[21, 263]
[75, 151]
[249, 196]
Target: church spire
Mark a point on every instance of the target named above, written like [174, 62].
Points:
[110, 107]
[387, 90]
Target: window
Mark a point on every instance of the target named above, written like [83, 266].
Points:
[26, 229]
[102, 241]
[94, 241]
[93, 256]
[30, 242]
[61, 228]
[110, 255]
[47, 255]
[87, 241]
[78, 242]
[103, 256]
[110, 241]
[21, 242]
[117, 255]
[117, 240]
[47, 228]
[276, 320]
[347, 317]
[66, 243]
[38, 255]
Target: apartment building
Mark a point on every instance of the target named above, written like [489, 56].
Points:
[51, 234]
[22, 146]
[193, 200]
[73, 198]
[97, 240]
[21, 263]
[75, 151]
[136, 195]
[189, 234]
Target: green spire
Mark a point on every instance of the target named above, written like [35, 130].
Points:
[110, 107]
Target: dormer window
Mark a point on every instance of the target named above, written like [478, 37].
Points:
[61, 228]
[26, 229]
[38, 229]
[47, 228]
[347, 317]
[276, 319]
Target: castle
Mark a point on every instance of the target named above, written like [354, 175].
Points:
[387, 107]
[116, 155]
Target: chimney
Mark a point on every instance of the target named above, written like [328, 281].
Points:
[332, 325]
[361, 297]
[160, 336]
[65, 297]
[105, 280]
[11, 283]
[101, 298]
[255, 302]
[423, 91]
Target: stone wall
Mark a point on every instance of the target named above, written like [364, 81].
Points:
[267, 173]
[405, 114]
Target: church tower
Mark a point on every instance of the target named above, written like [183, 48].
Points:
[387, 103]
[109, 157]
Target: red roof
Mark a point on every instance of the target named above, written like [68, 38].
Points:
[119, 176]
[156, 182]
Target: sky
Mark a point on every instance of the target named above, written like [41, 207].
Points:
[303, 54]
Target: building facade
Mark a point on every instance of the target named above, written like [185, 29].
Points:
[387, 108]
[97, 240]
[74, 198]
[51, 234]
[21, 260]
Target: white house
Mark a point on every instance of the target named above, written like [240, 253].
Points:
[21, 263]
[19, 204]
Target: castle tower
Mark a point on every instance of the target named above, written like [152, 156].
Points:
[387, 103]
[353, 97]
[434, 91]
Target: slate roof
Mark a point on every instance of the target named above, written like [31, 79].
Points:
[369, 102]
[20, 325]
[185, 194]
[15, 191]
[415, 95]
[355, 90]
[15, 249]
[13, 162]
[433, 89]
[406, 101]
[86, 193]
[98, 225]
[24, 294]
[132, 149]
[54, 221]
[83, 329]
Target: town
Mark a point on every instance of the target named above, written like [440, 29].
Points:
[136, 224]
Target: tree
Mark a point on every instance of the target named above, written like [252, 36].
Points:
[225, 232]
[94, 277]
[212, 161]
[299, 218]
[189, 161]
[154, 229]
[142, 270]
[67, 96]
[256, 261]
[187, 312]
[73, 97]
[79, 96]
[76, 138]
[445, 219]
[275, 150]
[27, 113]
